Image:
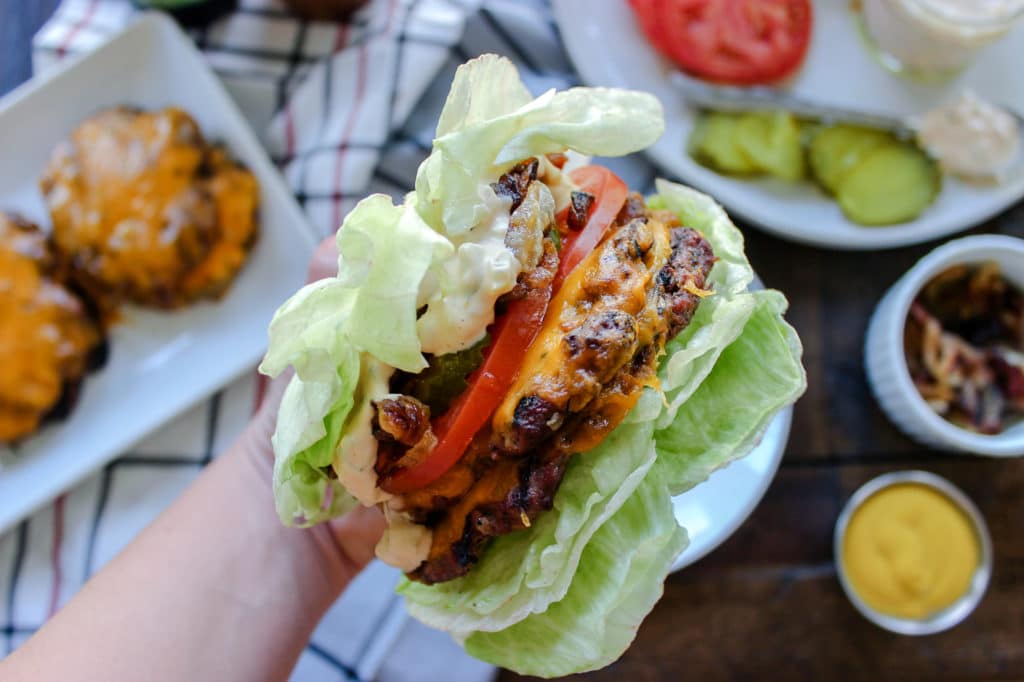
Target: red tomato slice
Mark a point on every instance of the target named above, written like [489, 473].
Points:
[730, 41]
[609, 195]
[511, 335]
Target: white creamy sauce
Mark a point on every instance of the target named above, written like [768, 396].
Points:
[404, 544]
[460, 293]
[356, 454]
[970, 137]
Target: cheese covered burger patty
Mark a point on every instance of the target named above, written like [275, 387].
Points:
[145, 210]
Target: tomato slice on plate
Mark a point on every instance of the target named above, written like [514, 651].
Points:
[511, 335]
[730, 41]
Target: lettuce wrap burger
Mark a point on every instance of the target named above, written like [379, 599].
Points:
[521, 365]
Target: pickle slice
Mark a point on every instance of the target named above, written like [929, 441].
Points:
[876, 178]
[892, 183]
[835, 150]
[714, 143]
[772, 141]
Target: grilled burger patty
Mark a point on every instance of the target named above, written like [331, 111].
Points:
[146, 210]
[605, 329]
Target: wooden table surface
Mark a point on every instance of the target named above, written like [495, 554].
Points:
[767, 602]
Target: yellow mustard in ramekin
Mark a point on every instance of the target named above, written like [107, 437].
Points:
[912, 552]
[909, 551]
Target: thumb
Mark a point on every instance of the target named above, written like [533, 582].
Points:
[356, 534]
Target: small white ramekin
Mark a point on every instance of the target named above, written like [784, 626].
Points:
[886, 363]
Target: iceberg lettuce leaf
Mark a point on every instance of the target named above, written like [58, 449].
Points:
[384, 252]
[722, 315]
[489, 123]
[620, 577]
[303, 492]
[756, 375]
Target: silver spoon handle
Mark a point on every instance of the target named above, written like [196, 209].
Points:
[740, 99]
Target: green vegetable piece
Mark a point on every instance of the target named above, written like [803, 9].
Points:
[444, 379]
[892, 184]
[714, 143]
[772, 142]
[835, 150]
[556, 238]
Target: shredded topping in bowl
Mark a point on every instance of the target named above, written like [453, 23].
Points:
[964, 344]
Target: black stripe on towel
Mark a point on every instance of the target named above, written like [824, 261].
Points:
[19, 558]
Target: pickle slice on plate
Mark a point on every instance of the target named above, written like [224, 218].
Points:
[772, 141]
[836, 150]
[876, 178]
[714, 143]
[892, 183]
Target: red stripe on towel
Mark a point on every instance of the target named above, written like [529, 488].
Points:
[55, 550]
[352, 118]
[78, 26]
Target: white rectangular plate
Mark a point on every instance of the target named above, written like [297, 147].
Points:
[159, 363]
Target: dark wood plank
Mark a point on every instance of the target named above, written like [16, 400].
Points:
[19, 20]
[768, 604]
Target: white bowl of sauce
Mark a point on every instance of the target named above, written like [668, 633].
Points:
[912, 552]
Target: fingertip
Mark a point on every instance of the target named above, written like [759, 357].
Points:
[324, 262]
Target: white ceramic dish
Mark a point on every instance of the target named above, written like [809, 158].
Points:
[887, 365]
[607, 48]
[159, 363]
[958, 610]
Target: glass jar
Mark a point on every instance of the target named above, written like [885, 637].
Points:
[934, 39]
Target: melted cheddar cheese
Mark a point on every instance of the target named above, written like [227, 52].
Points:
[46, 336]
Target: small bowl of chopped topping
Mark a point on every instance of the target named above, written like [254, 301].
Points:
[945, 348]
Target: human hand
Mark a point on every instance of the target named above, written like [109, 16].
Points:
[346, 543]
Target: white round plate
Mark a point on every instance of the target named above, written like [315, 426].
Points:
[608, 48]
[712, 511]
